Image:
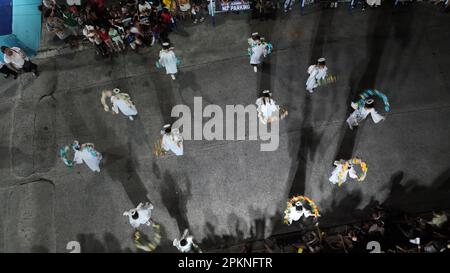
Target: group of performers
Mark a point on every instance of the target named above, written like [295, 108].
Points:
[171, 140]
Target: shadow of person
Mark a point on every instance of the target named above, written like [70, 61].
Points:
[175, 200]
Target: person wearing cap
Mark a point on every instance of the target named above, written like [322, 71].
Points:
[296, 212]
[120, 101]
[267, 109]
[141, 215]
[258, 51]
[86, 153]
[172, 140]
[362, 112]
[18, 60]
[316, 72]
[168, 60]
[186, 243]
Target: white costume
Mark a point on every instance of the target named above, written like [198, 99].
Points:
[259, 52]
[315, 73]
[168, 60]
[172, 141]
[266, 111]
[123, 103]
[361, 114]
[295, 214]
[251, 42]
[89, 156]
[144, 213]
[189, 243]
[334, 179]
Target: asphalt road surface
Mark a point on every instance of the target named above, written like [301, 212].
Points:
[227, 191]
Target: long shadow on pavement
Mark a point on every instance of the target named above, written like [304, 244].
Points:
[175, 200]
[382, 21]
[309, 139]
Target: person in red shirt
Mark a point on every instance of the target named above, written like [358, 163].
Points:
[167, 19]
[104, 36]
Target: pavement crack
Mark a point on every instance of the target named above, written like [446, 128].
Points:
[49, 95]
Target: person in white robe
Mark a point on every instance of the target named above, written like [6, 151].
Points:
[87, 154]
[267, 109]
[172, 140]
[296, 212]
[120, 101]
[339, 174]
[141, 215]
[258, 51]
[186, 243]
[361, 114]
[316, 72]
[168, 60]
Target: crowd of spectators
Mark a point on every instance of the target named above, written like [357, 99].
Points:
[382, 233]
[112, 26]
[120, 24]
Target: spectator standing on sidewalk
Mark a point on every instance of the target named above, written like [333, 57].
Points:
[18, 60]
[56, 25]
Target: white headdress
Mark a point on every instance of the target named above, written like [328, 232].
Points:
[321, 60]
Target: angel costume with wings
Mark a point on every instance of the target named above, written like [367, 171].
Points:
[339, 174]
[140, 215]
[86, 153]
[172, 140]
[119, 101]
[296, 212]
[361, 114]
[316, 73]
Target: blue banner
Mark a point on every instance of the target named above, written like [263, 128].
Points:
[5, 17]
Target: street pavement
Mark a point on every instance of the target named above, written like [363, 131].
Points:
[229, 191]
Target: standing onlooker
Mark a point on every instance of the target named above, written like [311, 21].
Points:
[144, 8]
[70, 21]
[104, 36]
[363, 4]
[334, 4]
[132, 39]
[116, 38]
[288, 5]
[49, 5]
[18, 60]
[4, 69]
[197, 13]
[91, 33]
[56, 25]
